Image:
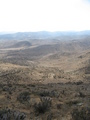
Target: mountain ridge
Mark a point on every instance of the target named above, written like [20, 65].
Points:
[44, 34]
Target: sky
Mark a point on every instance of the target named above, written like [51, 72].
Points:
[44, 15]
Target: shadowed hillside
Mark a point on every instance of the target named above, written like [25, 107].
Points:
[21, 44]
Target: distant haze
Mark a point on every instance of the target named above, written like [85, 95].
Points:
[49, 15]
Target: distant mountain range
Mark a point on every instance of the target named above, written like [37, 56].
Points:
[3, 33]
[42, 35]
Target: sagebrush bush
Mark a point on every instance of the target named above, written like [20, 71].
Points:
[83, 114]
[23, 97]
[11, 115]
[44, 93]
[42, 106]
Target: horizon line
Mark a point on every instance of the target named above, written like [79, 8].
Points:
[44, 31]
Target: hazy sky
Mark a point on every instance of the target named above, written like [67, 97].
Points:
[50, 15]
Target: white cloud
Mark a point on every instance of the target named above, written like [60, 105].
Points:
[34, 15]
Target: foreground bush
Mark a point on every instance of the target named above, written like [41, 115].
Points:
[11, 115]
[42, 106]
[83, 114]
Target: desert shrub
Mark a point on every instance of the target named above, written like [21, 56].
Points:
[11, 115]
[48, 93]
[81, 94]
[44, 93]
[5, 88]
[74, 102]
[3, 112]
[23, 97]
[54, 94]
[49, 117]
[59, 106]
[42, 106]
[9, 85]
[10, 92]
[83, 114]
[79, 83]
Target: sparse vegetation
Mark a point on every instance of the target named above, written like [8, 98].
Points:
[45, 79]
